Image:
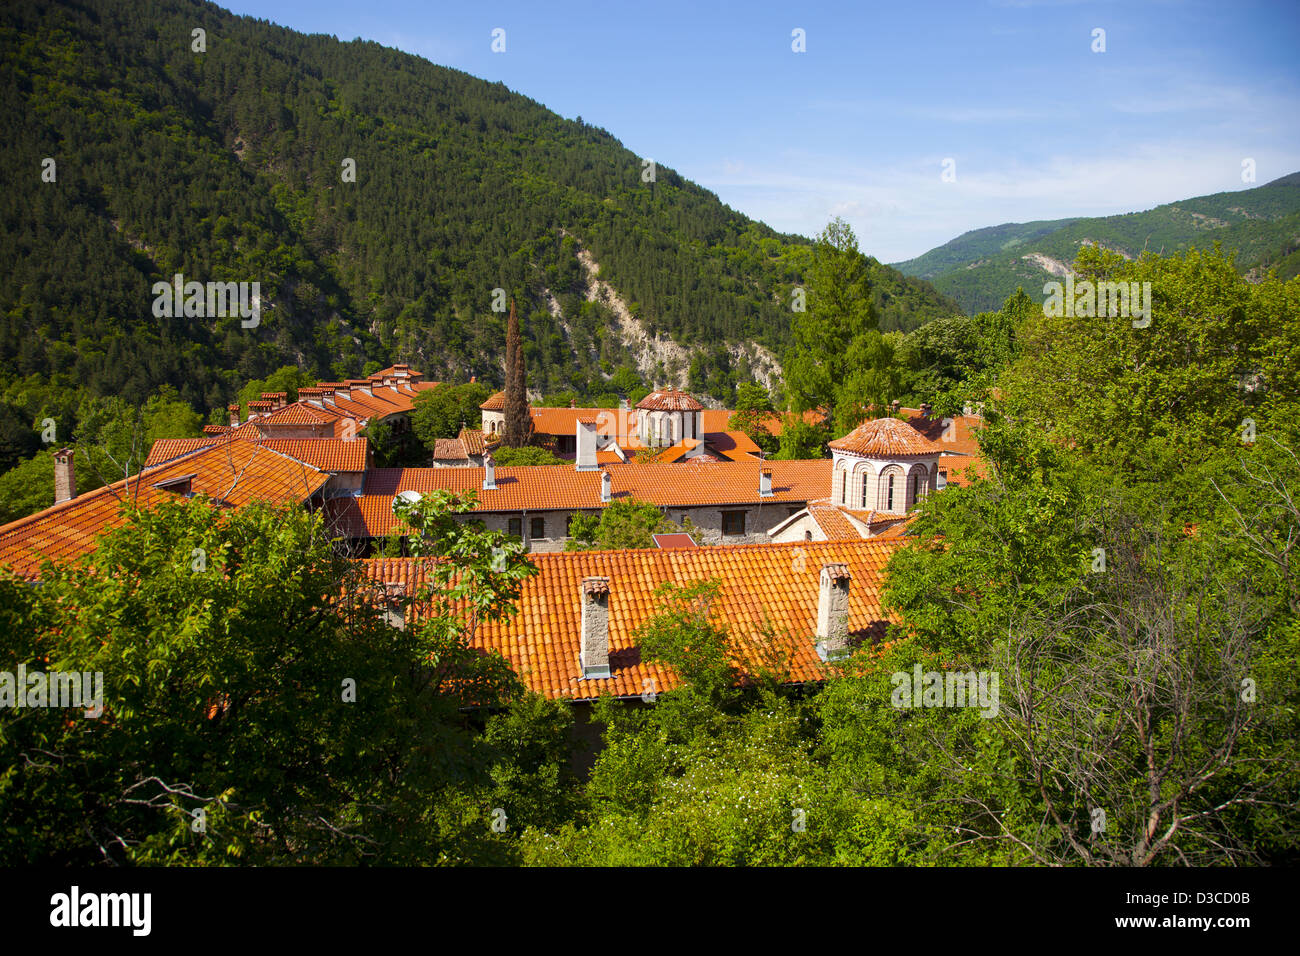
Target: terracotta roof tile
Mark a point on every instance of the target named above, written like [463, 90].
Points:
[762, 586]
[472, 440]
[233, 472]
[449, 449]
[495, 403]
[299, 413]
[669, 400]
[886, 438]
[327, 454]
[550, 488]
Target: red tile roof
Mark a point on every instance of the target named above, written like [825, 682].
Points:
[762, 586]
[956, 435]
[551, 488]
[327, 454]
[834, 524]
[495, 403]
[472, 439]
[886, 438]
[234, 473]
[449, 449]
[299, 413]
[669, 400]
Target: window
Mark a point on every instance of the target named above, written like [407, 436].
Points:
[914, 489]
[864, 491]
[889, 505]
[844, 484]
[807, 535]
[516, 527]
[733, 522]
[537, 528]
[568, 526]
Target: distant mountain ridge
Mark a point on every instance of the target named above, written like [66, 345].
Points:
[982, 267]
[231, 163]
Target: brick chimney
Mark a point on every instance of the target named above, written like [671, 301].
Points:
[833, 612]
[489, 474]
[606, 487]
[594, 655]
[65, 476]
[234, 414]
[765, 483]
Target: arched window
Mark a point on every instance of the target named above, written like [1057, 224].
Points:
[914, 481]
[889, 501]
[807, 535]
[844, 487]
[864, 491]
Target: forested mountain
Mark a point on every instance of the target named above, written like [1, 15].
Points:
[229, 165]
[982, 267]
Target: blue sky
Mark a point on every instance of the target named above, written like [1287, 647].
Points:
[1039, 126]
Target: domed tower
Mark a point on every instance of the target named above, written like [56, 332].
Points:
[494, 414]
[666, 416]
[883, 465]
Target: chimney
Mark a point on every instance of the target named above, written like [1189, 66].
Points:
[65, 476]
[594, 655]
[606, 487]
[833, 612]
[489, 474]
[473, 379]
[234, 414]
[394, 609]
[925, 409]
[585, 443]
[765, 483]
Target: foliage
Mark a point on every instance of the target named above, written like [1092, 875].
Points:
[839, 360]
[528, 455]
[624, 523]
[226, 690]
[441, 412]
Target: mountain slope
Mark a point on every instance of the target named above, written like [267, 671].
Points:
[982, 267]
[227, 165]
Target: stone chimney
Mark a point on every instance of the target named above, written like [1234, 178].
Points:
[394, 609]
[234, 414]
[833, 612]
[594, 655]
[765, 483]
[65, 476]
[489, 474]
[926, 409]
[606, 488]
[585, 443]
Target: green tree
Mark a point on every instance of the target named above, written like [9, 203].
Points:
[517, 427]
[838, 361]
[625, 523]
[248, 674]
[528, 455]
[439, 412]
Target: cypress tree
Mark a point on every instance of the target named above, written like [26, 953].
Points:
[516, 411]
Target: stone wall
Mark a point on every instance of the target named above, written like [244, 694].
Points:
[707, 520]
